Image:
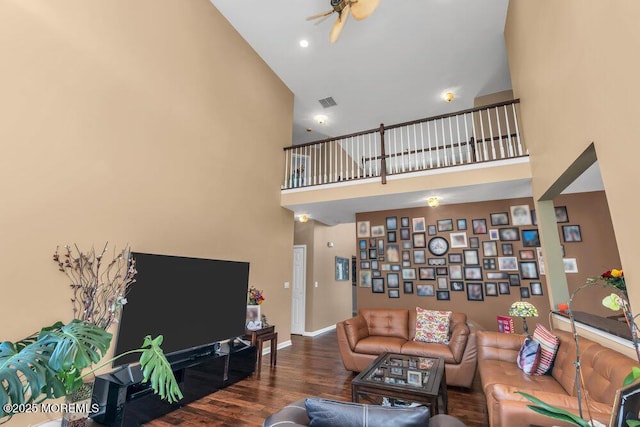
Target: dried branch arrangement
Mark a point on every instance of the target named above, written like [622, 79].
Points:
[99, 285]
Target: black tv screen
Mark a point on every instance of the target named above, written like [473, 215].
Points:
[192, 302]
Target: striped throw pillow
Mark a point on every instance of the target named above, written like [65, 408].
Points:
[549, 344]
[529, 356]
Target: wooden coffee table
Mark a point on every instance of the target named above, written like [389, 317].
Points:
[400, 377]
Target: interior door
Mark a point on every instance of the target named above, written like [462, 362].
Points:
[299, 289]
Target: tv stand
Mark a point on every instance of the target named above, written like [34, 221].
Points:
[125, 401]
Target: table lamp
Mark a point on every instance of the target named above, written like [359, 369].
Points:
[523, 309]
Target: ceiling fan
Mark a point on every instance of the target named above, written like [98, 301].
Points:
[360, 9]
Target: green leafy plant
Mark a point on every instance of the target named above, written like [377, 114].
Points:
[53, 363]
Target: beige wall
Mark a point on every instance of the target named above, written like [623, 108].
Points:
[573, 66]
[330, 301]
[152, 124]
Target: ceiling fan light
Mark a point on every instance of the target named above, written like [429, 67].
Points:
[303, 218]
[433, 201]
[448, 97]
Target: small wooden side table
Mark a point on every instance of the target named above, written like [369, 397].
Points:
[259, 336]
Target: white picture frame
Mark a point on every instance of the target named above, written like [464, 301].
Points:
[458, 240]
[570, 265]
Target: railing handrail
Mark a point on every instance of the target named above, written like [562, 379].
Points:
[397, 125]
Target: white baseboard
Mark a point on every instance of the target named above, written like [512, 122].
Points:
[320, 331]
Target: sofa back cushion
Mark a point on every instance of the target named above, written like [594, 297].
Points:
[331, 413]
[564, 370]
[355, 329]
[387, 322]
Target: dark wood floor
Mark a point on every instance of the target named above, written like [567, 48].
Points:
[310, 367]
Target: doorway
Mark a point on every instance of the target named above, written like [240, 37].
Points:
[298, 292]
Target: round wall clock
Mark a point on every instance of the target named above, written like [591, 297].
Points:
[438, 246]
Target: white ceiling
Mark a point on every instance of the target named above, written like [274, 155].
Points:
[389, 68]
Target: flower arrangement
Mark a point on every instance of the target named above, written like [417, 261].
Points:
[256, 296]
[613, 278]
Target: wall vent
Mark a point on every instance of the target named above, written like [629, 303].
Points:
[327, 102]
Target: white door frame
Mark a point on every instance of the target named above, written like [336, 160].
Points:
[299, 289]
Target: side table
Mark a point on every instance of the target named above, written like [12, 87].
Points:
[259, 336]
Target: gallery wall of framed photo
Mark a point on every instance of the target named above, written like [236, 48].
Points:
[476, 258]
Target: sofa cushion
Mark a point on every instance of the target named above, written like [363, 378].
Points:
[529, 356]
[432, 326]
[548, 348]
[387, 322]
[331, 413]
[377, 345]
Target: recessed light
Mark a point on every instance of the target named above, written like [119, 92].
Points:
[320, 119]
[304, 43]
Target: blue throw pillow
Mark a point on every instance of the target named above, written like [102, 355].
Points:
[529, 356]
[331, 413]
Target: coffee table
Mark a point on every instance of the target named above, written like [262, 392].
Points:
[401, 377]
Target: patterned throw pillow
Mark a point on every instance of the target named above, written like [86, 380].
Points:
[529, 356]
[432, 326]
[549, 344]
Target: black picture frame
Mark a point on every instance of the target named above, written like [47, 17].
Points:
[404, 221]
[473, 273]
[474, 242]
[489, 263]
[489, 248]
[524, 292]
[455, 258]
[509, 234]
[499, 218]
[394, 293]
[445, 224]
[503, 288]
[461, 224]
[419, 240]
[342, 269]
[455, 272]
[471, 257]
[431, 230]
[479, 226]
[497, 275]
[377, 285]
[373, 254]
[405, 234]
[437, 261]
[528, 254]
[391, 236]
[475, 292]
[529, 270]
[514, 279]
[393, 280]
[427, 273]
[561, 214]
[507, 249]
[362, 244]
[571, 233]
[392, 222]
[491, 289]
[443, 295]
[419, 256]
[425, 290]
[536, 288]
[457, 285]
[407, 287]
[530, 238]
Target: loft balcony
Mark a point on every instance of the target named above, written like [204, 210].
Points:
[426, 154]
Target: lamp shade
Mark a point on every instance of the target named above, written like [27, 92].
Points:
[523, 309]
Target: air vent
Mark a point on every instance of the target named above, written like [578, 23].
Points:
[327, 102]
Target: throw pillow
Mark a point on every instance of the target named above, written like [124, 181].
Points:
[529, 356]
[549, 344]
[331, 413]
[432, 326]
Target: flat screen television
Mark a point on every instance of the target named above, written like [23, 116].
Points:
[192, 302]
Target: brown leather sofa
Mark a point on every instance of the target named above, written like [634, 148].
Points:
[375, 331]
[603, 371]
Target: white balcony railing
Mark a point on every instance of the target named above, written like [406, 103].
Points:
[472, 136]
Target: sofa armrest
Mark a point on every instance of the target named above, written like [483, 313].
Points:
[458, 340]
[498, 346]
[356, 329]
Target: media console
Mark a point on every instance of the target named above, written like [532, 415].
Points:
[125, 401]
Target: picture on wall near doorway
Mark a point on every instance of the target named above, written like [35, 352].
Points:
[507, 263]
[377, 231]
[561, 214]
[392, 223]
[536, 288]
[364, 228]
[571, 233]
[528, 270]
[570, 265]
[342, 268]
[418, 225]
[364, 278]
[503, 288]
[530, 238]
[520, 215]
[509, 234]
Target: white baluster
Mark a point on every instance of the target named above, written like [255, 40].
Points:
[466, 135]
[502, 152]
[453, 154]
[515, 119]
[422, 144]
[459, 144]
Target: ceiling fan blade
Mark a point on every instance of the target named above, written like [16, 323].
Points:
[320, 15]
[360, 9]
[337, 27]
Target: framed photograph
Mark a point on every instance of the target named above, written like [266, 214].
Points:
[571, 233]
[409, 273]
[570, 265]
[491, 289]
[407, 245]
[406, 264]
[427, 273]
[507, 263]
[520, 215]
[418, 225]
[425, 290]
[419, 256]
[365, 265]
[395, 370]
[455, 258]
[473, 273]
[561, 214]
[458, 240]
[474, 292]
[442, 282]
[377, 231]
[393, 280]
[364, 278]
[394, 293]
[342, 268]
[500, 218]
[395, 267]
[479, 226]
[404, 221]
[373, 254]
[457, 286]
[377, 285]
[445, 225]
[363, 255]
[507, 249]
[414, 378]
[509, 233]
[534, 218]
[408, 287]
[380, 245]
[474, 242]
[419, 240]
[392, 223]
[489, 263]
[471, 257]
[406, 256]
[437, 261]
[536, 288]
[391, 236]
[364, 228]
[541, 259]
[524, 292]
[362, 244]
[514, 279]
[527, 254]
[461, 224]
[530, 238]
[385, 267]
[503, 288]
[254, 321]
[455, 272]
[489, 248]
[405, 234]
[528, 270]
[372, 242]
[376, 273]
[442, 271]
[393, 253]
[493, 234]
[443, 295]
[432, 230]
[497, 275]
